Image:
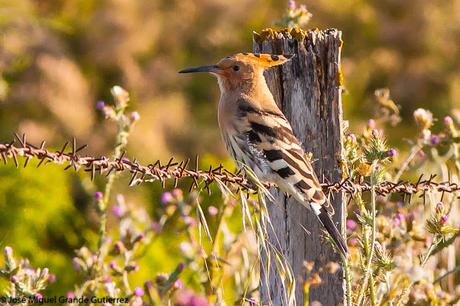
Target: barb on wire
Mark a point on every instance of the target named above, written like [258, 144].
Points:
[177, 170]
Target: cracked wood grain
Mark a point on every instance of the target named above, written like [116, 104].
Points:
[307, 90]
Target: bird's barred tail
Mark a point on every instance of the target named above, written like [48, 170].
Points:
[333, 231]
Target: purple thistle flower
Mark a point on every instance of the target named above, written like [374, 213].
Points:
[400, 217]
[197, 300]
[421, 154]
[14, 279]
[138, 291]
[351, 224]
[70, 295]
[180, 267]
[29, 271]
[118, 211]
[120, 198]
[212, 210]
[98, 195]
[178, 194]
[303, 7]
[113, 265]
[155, 226]
[435, 140]
[134, 116]
[107, 279]
[161, 279]
[119, 246]
[38, 296]
[352, 138]
[400, 203]
[139, 238]
[148, 284]
[377, 133]
[232, 202]
[443, 219]
[178, 284]
[440, 207]
[100, 105]
[352, 242]
[108, 287]
[371, 124]
[76, 264]
[291, 4]
[166, 197]
[189, 221]
[52, 278]
[186, 297]
[392, 152]
[8, 251]
[448, 121]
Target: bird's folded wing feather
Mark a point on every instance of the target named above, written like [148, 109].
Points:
[268, 135]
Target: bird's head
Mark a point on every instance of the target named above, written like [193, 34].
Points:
[240, 70]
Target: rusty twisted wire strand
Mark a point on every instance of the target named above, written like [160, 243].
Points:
[178, 170]
[104, 165]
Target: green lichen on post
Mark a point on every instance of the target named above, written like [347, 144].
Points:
[295, 33]
[270, 34]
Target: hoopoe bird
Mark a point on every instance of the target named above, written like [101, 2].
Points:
[257, 134]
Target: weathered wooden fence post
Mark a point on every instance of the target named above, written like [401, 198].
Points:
[308, 91]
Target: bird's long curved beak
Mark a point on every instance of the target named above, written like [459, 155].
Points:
[210, 68]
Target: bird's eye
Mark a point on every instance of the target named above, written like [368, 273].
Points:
[236, 68]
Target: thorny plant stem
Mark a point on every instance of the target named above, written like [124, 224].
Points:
[428, 253]
[125, 273]
[121, 142]
[346, 269]
[370, 255]
[372, 289]
[123, 129]
[413, 152]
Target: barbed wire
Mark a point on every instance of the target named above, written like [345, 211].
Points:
[174, 170]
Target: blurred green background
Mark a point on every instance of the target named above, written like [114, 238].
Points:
[57, 58]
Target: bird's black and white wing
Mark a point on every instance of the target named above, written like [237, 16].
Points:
[264, 141]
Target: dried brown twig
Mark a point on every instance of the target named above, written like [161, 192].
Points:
[178, 170]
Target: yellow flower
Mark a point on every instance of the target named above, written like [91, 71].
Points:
[364, 169]
[423, 117]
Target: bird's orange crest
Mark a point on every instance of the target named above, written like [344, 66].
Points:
[263, 59]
